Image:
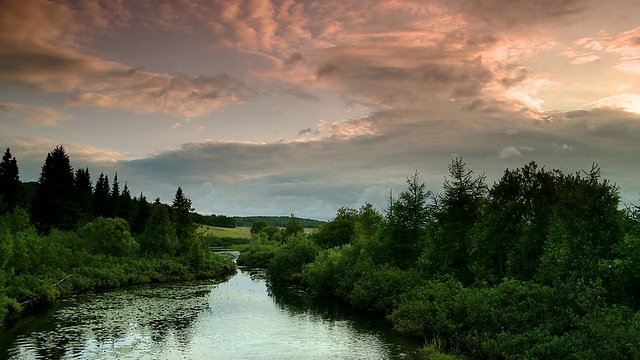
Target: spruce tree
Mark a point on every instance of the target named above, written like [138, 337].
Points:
[83, 194]
[114, 198]
[9, 180]
[101, 196]
[182, 217]
[54, 205]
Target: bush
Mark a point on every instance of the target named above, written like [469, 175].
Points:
[286, 265]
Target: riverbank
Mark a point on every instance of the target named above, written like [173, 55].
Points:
[102, 273]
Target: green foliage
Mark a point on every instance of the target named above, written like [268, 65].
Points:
[159, 236]
[287, 264]
[456, 213]
[37, 269]
[293, 227]
[380, 290]
[545, 266]
[260, 252]
[338, 231]
[406, 226]
[214, 220]
[276, 221]
[108, 236]
[258, 227]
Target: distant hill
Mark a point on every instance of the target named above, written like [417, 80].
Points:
[278, 221]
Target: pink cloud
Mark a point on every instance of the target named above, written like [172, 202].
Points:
[42, 45]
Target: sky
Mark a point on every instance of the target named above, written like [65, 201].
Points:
[273, 107]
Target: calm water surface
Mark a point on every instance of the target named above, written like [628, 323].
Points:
[236, 319]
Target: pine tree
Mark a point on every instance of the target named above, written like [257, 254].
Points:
[101, 196]
[182, 216]
[456, 213]
[83, 193]
[407, 218]
[54, 205]
[126, 203]
[9, 180]
[159, 237]
[114, 198]
[140, 214]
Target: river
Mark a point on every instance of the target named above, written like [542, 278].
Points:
[237, 319]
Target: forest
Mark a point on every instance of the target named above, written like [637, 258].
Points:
[542, 264]
[62, 235]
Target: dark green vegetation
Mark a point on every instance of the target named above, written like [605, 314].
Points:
[543, 264]
[63, 236]
[275, 221]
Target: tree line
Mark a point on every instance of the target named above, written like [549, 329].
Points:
[542, 264]
[62, 235]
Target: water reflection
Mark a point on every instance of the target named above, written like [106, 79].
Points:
[237, 319]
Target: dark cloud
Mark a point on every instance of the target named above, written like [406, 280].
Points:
[299, 93]
[307, 131]
[326, 70]
[520, 76]
[518, 13]
[294, 59]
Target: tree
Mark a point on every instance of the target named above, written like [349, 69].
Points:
[83, 194]
[514, 230]
[293, 227]
[406, 223]
[126, 203]
[182, 220]
[368, 222]
[9, 180]
[114, 198]
[159, 237]
[585, 229]
[256, 228]
[54, 205]
[108, 236]
[141, 210]
[456, 213]
[101, 196]
[338, 231]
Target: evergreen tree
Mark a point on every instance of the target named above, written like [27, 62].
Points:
[182, 219]
[9, 180]
[293, 227]
[101, 196]
[83, 193]
[114, 198]
[140, 214]
[126, 203]
[159, 237]
[406, 225]
[456, 213]
[54, 205]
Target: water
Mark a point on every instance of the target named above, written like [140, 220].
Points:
[236, 319]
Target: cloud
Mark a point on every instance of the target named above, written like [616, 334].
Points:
[626, 102]
[510, 151]
[30, 115]
[176, 94]
[41, 45]
[623, 44]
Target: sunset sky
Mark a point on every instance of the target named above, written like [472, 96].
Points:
[271, 107]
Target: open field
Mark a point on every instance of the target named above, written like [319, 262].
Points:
[239, 232]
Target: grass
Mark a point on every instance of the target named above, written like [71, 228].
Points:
[239, 232]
